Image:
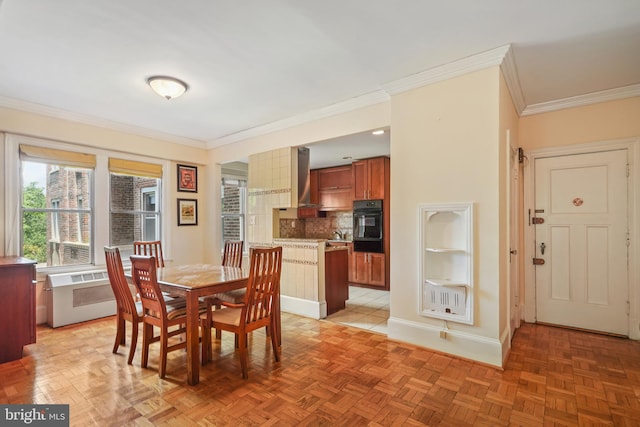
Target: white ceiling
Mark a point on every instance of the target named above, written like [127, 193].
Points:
[253, 66]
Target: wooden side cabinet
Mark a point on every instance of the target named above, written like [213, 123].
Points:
[17, 306]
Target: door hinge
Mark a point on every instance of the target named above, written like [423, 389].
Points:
[537, 220]
[538, 261]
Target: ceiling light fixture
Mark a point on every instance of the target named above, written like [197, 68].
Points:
[378, 132]
[167, 87]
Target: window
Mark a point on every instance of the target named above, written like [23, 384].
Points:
[134, 203]
[234, 196]
[56, 230]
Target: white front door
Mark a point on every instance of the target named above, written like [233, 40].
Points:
[583, 282]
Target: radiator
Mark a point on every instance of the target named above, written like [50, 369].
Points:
[78, 297]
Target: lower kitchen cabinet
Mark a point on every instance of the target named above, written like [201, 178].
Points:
[369, 268]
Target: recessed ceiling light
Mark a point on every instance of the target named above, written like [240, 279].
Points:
[378, 132]
[347, 158]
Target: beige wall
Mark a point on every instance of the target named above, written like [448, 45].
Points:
[446, 147]
[593, 123]
[187, 243]
[508, 135]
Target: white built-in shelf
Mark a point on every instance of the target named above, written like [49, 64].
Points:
[444, 282]
[446, 261]
[444, 250]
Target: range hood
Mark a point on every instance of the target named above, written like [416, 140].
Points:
[304, 183]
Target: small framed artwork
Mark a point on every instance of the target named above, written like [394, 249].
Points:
[187, 212]
[188, 178]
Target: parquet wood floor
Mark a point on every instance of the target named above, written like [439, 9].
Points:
[333, 375]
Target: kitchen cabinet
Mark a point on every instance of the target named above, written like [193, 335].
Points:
[336, 285]
[312, 212]
[371, 178]
[335, 189]
[17, 306]
[369, 268]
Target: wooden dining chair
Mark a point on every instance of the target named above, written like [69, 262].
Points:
[128, 310]
[256, 311]
[231, 257]
[150, 248]
[158, 311]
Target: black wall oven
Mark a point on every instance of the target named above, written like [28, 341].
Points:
[367, 226]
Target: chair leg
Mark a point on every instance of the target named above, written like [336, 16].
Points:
[120, 333]
[242, 338]
[164, 343]
[207, 349]
[134, 341]
[218, 331]
[147, 336]
[276, 349]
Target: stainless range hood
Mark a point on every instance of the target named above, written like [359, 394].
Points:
[304, 184]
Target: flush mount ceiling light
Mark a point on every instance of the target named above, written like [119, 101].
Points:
[167, 87]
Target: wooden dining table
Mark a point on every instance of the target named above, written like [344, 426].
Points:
[193, 281]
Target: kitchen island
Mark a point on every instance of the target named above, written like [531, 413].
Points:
[313, 282]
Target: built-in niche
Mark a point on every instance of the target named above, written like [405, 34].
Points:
[446, 261]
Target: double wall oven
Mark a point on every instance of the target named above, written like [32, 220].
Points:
[367, 226]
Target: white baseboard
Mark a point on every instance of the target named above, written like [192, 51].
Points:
[303, 307]
[41, 314]
[462, 344]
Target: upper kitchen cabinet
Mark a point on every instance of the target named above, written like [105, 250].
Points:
[371, 178]
[335, 190]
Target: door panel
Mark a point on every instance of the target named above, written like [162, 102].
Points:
[583, 201]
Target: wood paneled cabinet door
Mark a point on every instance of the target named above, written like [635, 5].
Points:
[352, 263]
[17, 306]
[370, 178]
[369, 268]
[335, 189]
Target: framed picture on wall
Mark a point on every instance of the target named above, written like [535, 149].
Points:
[188, 178]
[187, 212]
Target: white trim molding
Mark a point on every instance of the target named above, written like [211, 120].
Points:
[582, 100]
[303, 307]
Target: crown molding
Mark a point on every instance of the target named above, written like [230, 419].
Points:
[510, 73]
[582, 100]
[453, 69]
[352, 104]
[57, 113]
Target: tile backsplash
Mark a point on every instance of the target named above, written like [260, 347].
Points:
[317, 228]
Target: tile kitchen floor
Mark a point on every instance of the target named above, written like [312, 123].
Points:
[366, 309]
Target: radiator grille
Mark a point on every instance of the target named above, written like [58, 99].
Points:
[78, 297]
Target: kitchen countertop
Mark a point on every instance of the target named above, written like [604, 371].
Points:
[336, 248]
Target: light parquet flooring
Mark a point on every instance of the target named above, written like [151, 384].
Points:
[333, 375]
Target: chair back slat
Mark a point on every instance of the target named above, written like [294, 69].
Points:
[143, 272]
[150, 248]
[119, 284]
[232, 255]
[263, 284]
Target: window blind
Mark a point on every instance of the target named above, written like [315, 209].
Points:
[33, 153]
[131, 167]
